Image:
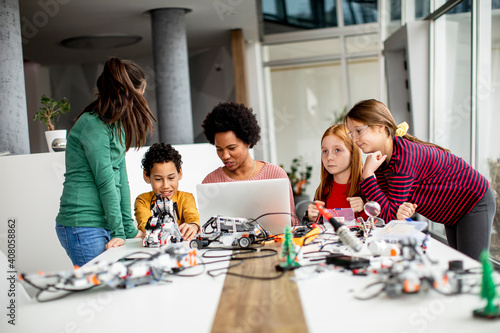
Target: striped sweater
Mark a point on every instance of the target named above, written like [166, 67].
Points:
[443, 185]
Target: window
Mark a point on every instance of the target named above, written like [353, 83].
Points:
[309, 85]
[488, 97]
[360, 11]
[452, 83]
[306, 99]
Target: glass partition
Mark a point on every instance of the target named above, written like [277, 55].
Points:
[359, 11]
[362, 43]
[363, 79]
[488, 117]
[306, 99]
[298, 50]
[452, 83]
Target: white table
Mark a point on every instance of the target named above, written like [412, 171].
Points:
[329, 304]
[185, 305]
[190, 304]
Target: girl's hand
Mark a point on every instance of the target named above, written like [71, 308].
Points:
[373, 161]
[140, 234]
[115, 242]
[312, 211]
[406, 210]
[356, 203]
[188, 230]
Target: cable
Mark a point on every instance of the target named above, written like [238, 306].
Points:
[246, 276]
[373, 295]
[345, 235]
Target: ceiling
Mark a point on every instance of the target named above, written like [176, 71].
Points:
[45, 23]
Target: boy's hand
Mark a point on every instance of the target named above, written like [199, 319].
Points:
[140, 234]
[188, 230]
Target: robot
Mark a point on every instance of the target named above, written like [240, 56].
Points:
[123, 274]
[230, 231]
[161, 228]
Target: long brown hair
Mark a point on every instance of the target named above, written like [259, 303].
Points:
[374, 113]
[120, 102]
[325, 186]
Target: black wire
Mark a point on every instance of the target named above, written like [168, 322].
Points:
[274, 213]
[68, 292]
[242, 275]
[52, 289]
[272, 253]
[209, 272]
[139, 252]
[204, 255]
[235, 256]
[241, 251]
[310, 255]
[258, 277]
[375, 294]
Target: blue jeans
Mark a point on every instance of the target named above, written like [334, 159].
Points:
[82, 244]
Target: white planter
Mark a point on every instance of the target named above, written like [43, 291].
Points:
[56, 139]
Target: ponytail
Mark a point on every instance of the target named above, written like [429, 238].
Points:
[120, 102]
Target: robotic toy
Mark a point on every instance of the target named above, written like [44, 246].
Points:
[161, 228]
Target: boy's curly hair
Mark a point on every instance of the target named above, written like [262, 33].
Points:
[232, 117]
[161, 153]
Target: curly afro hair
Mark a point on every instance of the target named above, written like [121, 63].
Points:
[232, 117]
[161, 153]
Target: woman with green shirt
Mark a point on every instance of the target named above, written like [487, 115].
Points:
[95, 212]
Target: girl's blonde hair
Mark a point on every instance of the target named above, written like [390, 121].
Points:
[374, 113]
[325, 186]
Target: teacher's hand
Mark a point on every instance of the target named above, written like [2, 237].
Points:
[115, 242]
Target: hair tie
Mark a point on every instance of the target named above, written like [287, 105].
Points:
[402, 129]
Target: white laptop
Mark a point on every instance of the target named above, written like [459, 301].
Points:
[247, 199]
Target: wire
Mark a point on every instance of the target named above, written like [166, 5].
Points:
[244, 276]
[374, 294]
[236, 257]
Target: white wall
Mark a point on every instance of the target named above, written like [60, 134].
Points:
[30, 192]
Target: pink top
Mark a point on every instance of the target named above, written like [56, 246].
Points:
[269, 171]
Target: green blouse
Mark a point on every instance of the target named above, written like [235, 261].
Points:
[96, 191]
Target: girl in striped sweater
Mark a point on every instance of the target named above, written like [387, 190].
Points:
[406, 175]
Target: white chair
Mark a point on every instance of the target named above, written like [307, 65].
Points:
[301, 208]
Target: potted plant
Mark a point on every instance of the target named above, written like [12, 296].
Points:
[49, 113]
[299, 175]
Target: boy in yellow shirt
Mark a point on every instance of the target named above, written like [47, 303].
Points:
[162, 169]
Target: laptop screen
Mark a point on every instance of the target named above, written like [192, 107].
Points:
[247, 199]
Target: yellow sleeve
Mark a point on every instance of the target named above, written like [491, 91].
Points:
[188, 213]
[142, 209]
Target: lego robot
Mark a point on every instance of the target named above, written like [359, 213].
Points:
[161, 228]
[230, 231]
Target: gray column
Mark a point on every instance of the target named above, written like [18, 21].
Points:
[173, 95]
[14, 135]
